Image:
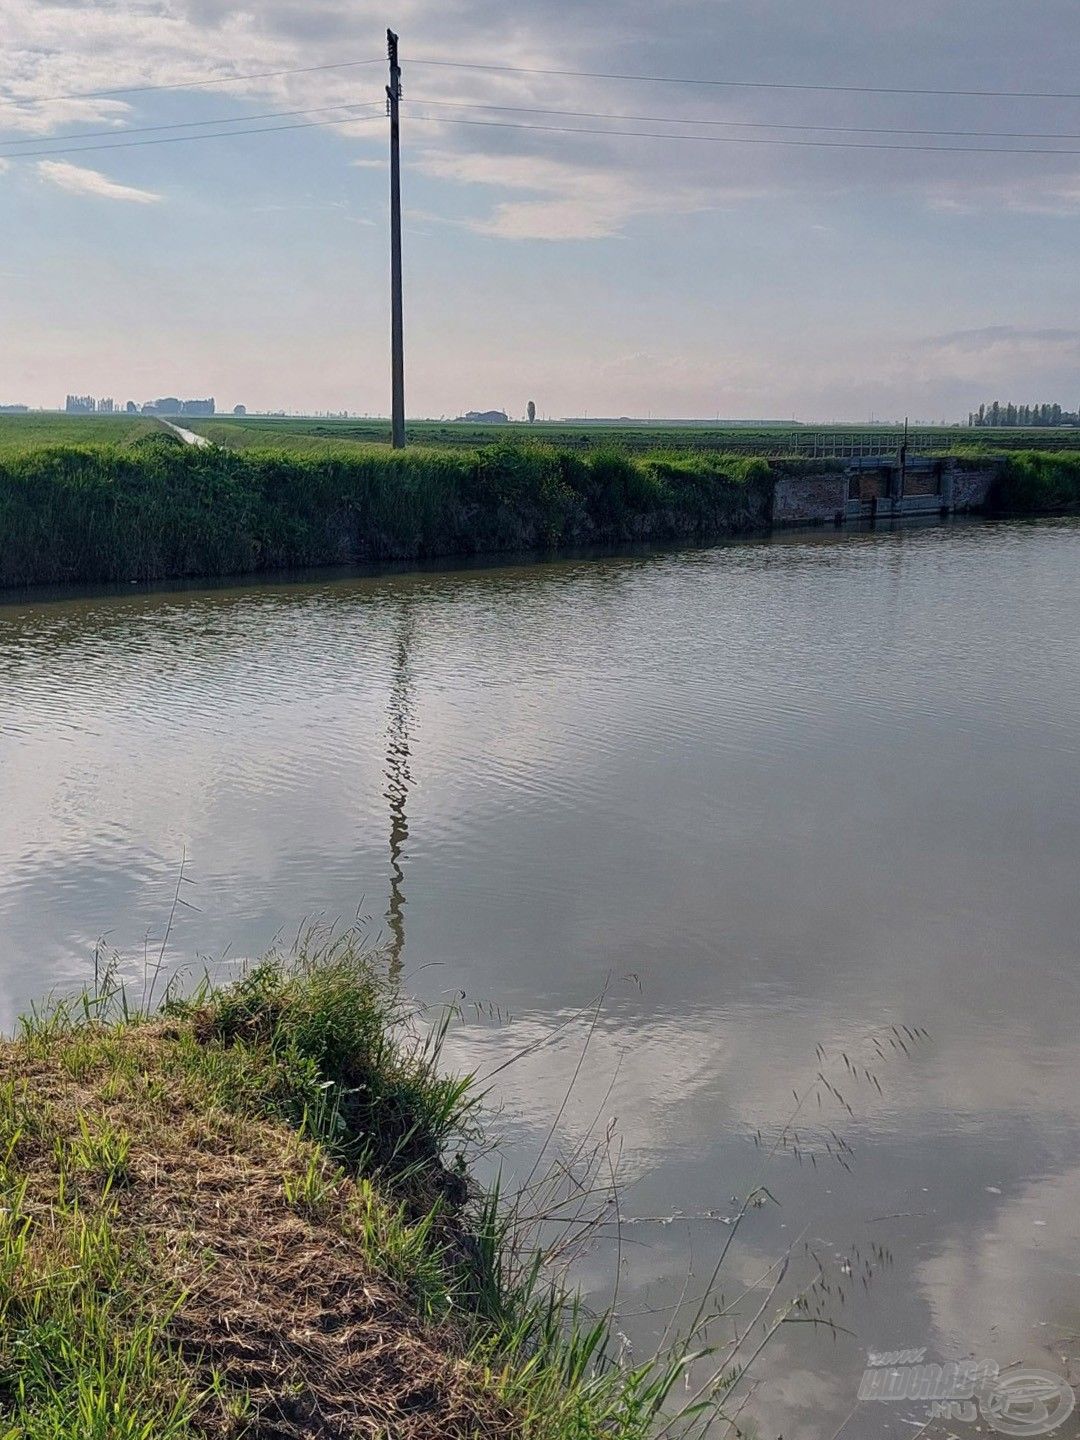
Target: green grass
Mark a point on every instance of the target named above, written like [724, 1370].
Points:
[253, 1213]
[158, 509]
[318, 436]
[19, 433]
[807, 441]
[1034, 483]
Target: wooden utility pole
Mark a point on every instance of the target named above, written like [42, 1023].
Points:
[397, 337]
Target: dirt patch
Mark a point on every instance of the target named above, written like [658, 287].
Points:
[280, 1319]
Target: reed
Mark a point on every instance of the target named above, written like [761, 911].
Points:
[157, 509]
[1036, 482]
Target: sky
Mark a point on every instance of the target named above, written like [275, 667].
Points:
[596, 274]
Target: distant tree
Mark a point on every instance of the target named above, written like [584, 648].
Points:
[982, 415]
[531, 411]
[1010, 414]
[995, 413]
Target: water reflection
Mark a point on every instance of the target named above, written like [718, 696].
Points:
[777, 796]
[399, 780]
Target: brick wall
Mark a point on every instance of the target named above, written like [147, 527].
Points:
[809, 499]
[971, 487]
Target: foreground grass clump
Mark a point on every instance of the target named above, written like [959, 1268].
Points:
[158, 509]
[250, 1215]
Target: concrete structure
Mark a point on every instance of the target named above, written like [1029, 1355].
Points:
[874, 488]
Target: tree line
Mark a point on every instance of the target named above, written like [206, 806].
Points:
[1010, 414]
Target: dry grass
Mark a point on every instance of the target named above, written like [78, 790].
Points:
[273, 1320]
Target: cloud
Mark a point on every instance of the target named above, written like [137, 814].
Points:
[82, 181]
[995, 354]
[578, 200]
[143, 42]
[1037, 194]
[909, 230]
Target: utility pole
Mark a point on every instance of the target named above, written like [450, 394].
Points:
[901, 479]
[397, 340]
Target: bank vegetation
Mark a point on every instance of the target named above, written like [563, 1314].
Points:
[252, 1213]
[156, 509]
[160, 510]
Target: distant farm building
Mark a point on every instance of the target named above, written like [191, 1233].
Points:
[486, 417]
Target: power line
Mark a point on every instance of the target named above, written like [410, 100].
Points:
[180, 139]
[189, 124]
[751, 124]
[124, 131]
[54, 140]
[201, 81]
[747, 139]
[752, 84]
[553, 130]
[194, 82]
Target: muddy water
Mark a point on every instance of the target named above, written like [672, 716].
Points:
[768, 797]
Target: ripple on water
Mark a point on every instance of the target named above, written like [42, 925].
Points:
[770, 795]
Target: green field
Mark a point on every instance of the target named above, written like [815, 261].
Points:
[311, 434]
[805, 442]
[297, 435]
[30, 432]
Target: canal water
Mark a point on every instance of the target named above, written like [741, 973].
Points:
[786, 805]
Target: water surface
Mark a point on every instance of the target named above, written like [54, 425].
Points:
[769, 797]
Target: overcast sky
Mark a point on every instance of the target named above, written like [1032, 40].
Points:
[592, 273]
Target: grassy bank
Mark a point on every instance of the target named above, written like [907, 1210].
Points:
[251, 1215]
[1035, 483]
[157, 509]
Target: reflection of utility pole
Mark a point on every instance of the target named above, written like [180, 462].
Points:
[398, 783]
